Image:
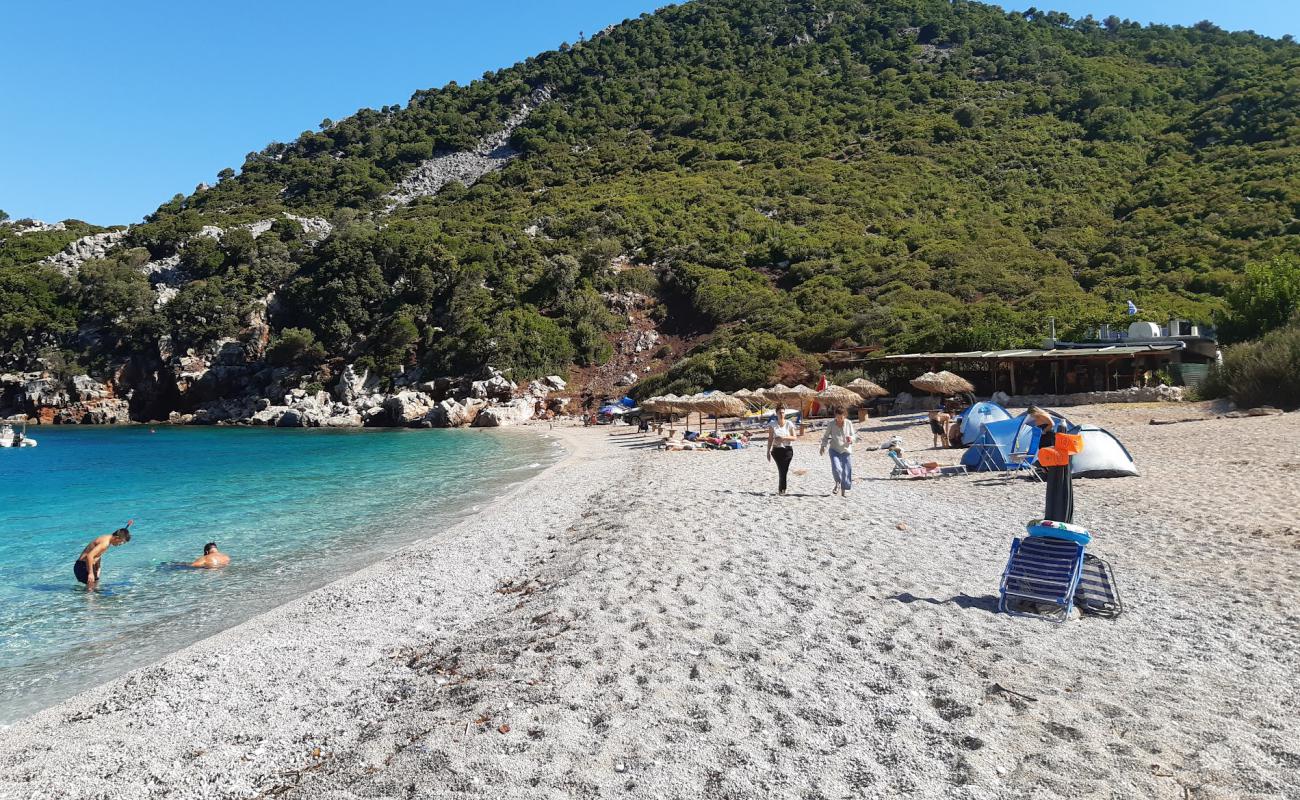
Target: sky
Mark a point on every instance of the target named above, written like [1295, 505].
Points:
[109, 109]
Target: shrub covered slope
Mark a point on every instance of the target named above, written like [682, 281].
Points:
[781, 176]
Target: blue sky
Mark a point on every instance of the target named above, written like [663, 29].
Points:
[110, 108]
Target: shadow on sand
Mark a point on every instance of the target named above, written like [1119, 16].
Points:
[986, 602]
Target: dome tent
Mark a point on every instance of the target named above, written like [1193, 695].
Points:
[997, 440]
[977, 416]
[1103, 456]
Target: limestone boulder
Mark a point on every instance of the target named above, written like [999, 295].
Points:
[352, 385]
[85, 388]
[407, 407]
[513, 412]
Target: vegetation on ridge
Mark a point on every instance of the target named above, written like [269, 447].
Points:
[787, 174]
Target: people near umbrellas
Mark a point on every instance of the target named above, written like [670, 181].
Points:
[838, 437]
[939, 419]
[781, 434]
[1056, 460]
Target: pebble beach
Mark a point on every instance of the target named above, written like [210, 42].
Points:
[648, 624]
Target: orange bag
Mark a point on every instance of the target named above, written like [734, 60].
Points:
[1069, 443]
[1051, 457]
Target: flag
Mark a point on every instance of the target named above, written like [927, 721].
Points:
[821, 385]
[1132, 309]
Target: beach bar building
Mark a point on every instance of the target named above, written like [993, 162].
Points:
[1111, 361]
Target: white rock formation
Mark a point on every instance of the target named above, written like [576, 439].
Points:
[96, 245]
[24, 226]
[511, 413]
[491, 153]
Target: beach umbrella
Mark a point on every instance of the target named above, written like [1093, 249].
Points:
[796, 397]
[720, 404]
[866, 388]
[942, 383]
[838, 397]
[776, 394]
[668, 404]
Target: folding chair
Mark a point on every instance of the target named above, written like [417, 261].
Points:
[1041, 577]
[1018, 462]
[1097, 593]
[1023, 456]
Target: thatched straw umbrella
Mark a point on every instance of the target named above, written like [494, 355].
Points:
[776, 393]
[724, 405]
[838, 397]
[942, 383]
[866, 388]
[668, 404]
[796, 397]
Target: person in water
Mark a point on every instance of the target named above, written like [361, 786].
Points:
[87, 566]
[212, 558]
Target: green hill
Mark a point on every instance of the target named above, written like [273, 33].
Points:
[778, 177]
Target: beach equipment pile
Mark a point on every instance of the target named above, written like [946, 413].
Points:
[1048, 573]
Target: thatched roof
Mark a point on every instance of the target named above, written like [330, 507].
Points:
[838, 396]
[866, 388]
[942, 383]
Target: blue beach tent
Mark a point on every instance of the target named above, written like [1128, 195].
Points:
[996, 442]
[979, 415]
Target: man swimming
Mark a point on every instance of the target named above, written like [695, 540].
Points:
[212, 558]
[86, 567]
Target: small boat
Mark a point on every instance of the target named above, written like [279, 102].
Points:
[11, 437]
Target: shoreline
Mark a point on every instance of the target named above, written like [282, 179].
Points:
[105, 719]
[49, 669]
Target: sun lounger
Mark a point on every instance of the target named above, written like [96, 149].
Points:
[1041, 577]
[1097, 593]
[909, 469]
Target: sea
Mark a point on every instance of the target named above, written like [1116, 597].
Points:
[294, 510]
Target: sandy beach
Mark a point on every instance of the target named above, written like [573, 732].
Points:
[637, 623]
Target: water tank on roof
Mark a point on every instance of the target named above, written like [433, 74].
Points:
[1144, 330]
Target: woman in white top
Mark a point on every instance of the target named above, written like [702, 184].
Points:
[780, 440]
[839, 437]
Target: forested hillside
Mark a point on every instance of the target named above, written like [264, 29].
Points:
[778, 177]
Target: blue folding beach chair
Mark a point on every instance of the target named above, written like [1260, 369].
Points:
[1041, 577]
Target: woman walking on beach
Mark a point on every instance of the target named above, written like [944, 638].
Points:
[780, 444]
[839, 438]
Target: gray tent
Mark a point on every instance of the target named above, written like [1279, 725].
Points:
[1103, 456]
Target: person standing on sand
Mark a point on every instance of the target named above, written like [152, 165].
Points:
[86, 567]
[1060, 486]
[781, 434]
[212, 558]
[839, 438]
[939, 419]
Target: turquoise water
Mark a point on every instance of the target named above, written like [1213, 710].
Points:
[293, 509]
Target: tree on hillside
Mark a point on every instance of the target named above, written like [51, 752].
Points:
[1266, 299]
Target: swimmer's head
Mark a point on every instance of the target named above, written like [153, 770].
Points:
[120, 536]
[209, 548]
